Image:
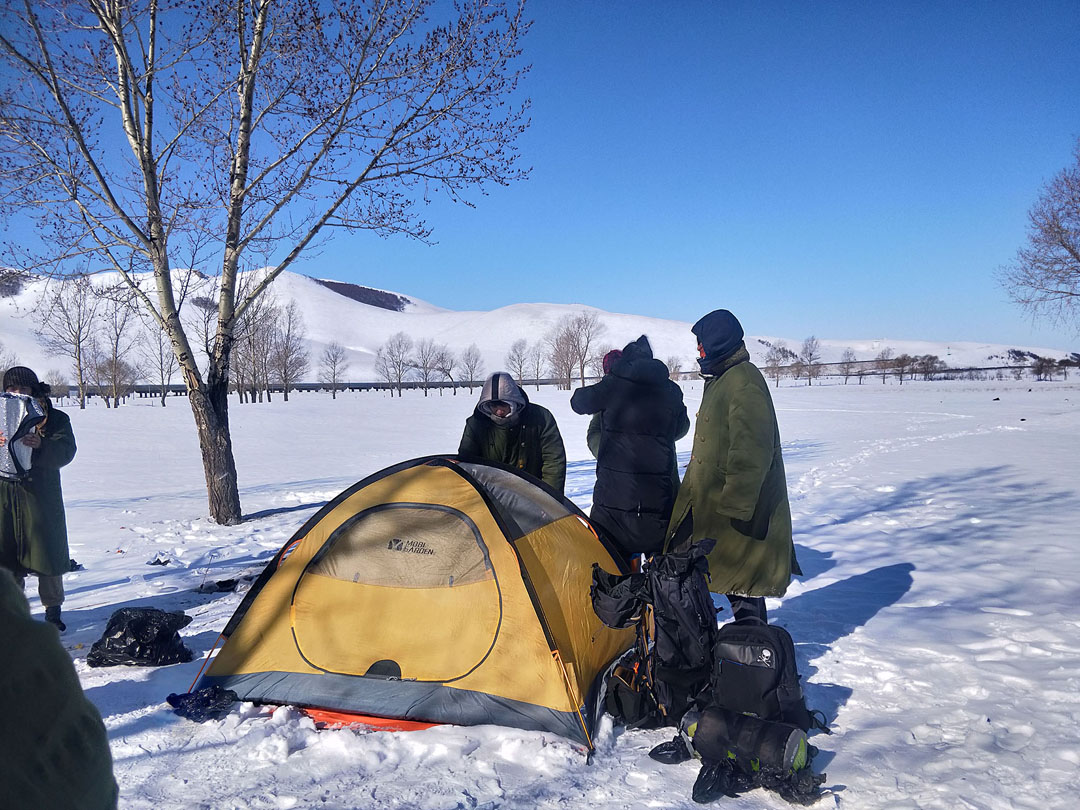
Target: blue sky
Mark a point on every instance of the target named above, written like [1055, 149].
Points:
[851, 169]
[844, 169]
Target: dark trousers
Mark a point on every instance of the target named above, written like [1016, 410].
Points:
[745, 606]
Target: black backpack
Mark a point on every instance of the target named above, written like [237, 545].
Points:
[754, 672]
[670, 666]
[684, 629]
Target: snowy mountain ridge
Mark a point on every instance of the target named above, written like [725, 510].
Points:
[363, 318]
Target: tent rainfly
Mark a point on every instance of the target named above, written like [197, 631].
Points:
[439, 590]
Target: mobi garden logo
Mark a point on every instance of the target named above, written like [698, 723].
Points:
[410, 546]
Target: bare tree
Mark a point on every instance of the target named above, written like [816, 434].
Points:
[265, 124]
[58, 381]
[117, 339]
[471, 365]
[563, 351]
[446, 363]
[158, 357]
[289, 357]
[333, 366]
[67, 326]
[538, 362]
[1043, 368]
[674, 366]
[517, 359]
[776, 359]
[393, 360]
[426, 361]
[595, 365]
[797, 369]
[585, 329]
[903, 365]
[884, 362]
[7, 359]
[1044, 278]
[1065, 363]
[253, 337]
[928, 365]
[810, 355]
[847, 364]
[112, 377]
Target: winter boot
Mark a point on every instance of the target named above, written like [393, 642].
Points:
[52, 616]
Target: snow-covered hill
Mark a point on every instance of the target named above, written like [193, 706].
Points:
[335, 315]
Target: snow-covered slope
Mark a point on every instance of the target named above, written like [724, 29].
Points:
[362, 328]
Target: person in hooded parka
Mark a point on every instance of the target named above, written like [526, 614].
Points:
[33, 529]
[507, 428]
[641, 416]
[734, 490]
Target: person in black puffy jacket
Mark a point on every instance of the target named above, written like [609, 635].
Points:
[641, 416]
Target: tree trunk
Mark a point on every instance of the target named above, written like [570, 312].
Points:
[210, 407]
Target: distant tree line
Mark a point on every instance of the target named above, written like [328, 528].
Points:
[571, 349]
[782, 362]
[112, 345]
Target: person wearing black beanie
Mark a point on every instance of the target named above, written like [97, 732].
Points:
[734, 490]
[33, 528]
[639, 415]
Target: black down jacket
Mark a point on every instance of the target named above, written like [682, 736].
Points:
[641, 414]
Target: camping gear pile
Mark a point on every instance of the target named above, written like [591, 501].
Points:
[448, 591]
[733, 692]
[435, 591]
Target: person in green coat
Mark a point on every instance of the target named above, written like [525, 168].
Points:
[734, 490]
[54, 752]
[33, 529]
[507, 428]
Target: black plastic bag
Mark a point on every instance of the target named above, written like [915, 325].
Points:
[208, 703]
[618, 600]
[145, 637]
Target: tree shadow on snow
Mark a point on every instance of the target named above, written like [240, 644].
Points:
[283, 510]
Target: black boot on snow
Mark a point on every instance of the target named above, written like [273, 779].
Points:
[714, 781]
[52, 616]
[671, 752]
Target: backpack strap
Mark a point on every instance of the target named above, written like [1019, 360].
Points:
[819, 721]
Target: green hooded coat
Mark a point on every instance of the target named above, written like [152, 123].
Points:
[734, 487]
[33, 529]
[54, 752]
[530, 441]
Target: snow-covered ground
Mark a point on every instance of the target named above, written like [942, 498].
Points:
[937, 625]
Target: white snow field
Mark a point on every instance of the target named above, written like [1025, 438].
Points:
[937, 624]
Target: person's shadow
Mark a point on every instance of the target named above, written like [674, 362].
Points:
[817, 619]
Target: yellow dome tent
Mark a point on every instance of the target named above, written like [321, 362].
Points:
[439, 590]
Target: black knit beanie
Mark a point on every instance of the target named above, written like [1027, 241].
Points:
[19, 376]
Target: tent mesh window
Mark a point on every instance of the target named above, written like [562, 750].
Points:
[406, 545]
